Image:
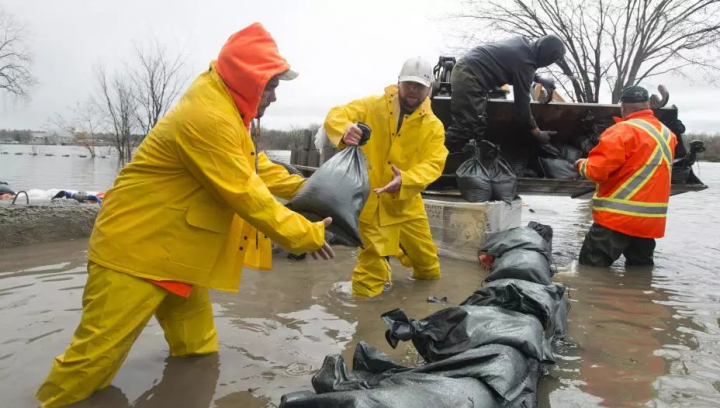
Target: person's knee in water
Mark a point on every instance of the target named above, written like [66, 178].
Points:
[160, 242]
[632, 167]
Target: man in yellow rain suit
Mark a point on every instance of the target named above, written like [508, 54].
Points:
[405, 153]
[194, 206]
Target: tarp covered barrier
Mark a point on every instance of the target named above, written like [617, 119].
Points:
[488, 352]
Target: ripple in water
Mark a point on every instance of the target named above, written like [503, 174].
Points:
[299, 369]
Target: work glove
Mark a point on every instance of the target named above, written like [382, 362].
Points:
[547, 83]
[543, 136]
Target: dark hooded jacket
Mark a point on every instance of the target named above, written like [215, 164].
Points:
[514, 62]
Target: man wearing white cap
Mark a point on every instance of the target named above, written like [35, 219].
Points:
[405, 153]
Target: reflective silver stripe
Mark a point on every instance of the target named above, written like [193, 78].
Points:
[628, 207]
[645, 173]
[656, 135]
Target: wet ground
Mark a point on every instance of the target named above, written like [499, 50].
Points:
[641, 337]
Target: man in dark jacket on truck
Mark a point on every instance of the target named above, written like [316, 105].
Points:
[512, 61]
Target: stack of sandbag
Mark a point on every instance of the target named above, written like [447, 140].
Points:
[520, 253]
[486, 176]
[489, 351]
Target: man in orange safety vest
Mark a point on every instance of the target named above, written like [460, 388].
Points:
[632, 166]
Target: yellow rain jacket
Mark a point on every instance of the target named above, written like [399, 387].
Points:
[417, 149]
[192, 206]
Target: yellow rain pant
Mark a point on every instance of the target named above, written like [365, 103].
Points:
[116, 308]
[418, 252]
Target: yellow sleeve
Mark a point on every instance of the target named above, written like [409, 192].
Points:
[415, 180]
[277, 179]
[340, 117]
[216, 160]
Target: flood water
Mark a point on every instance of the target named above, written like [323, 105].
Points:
[637, 337]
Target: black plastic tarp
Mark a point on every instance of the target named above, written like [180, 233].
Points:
[517, 238]
[502, 377]
[454, 330]
[523, 264]
[488, 352]
[541, 301]
[416, 391]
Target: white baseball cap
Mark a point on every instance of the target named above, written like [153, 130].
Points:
[288, 75]
[417, 70]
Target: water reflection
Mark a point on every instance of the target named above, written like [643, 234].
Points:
[187, 382]
[637, 336]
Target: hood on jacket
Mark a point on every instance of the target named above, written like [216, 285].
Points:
[548, 50]
[246, 63]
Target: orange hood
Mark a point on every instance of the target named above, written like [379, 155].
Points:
[247, 61]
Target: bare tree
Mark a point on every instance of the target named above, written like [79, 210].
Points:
[617, 43]
[158, 77]
[119, 107]
[85, 124]
[15, 58]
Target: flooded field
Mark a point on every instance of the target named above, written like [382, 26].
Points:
[637, 337]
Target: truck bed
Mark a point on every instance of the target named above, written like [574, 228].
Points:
[540, 186]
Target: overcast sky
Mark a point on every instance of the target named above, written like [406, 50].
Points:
[344, 49]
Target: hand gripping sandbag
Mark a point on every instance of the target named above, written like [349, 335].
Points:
[569, 153]
[338, 189]
[559, 169]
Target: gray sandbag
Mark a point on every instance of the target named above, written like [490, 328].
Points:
[523, 264]
[412, 391]
[569, 153]
[541, 301]
[486, 176]
[338, 189]
[516, 238]
[330, 238]
[454, 330]
[501, 368]
[559, 169]
[504, 181]
[473, 178]
[543, 230]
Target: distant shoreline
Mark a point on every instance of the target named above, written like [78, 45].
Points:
[55, 144]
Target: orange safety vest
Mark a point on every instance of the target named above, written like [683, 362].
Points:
[632, 166]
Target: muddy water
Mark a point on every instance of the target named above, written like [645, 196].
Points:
[638, 337]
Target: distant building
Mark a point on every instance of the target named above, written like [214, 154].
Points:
[56, 137]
